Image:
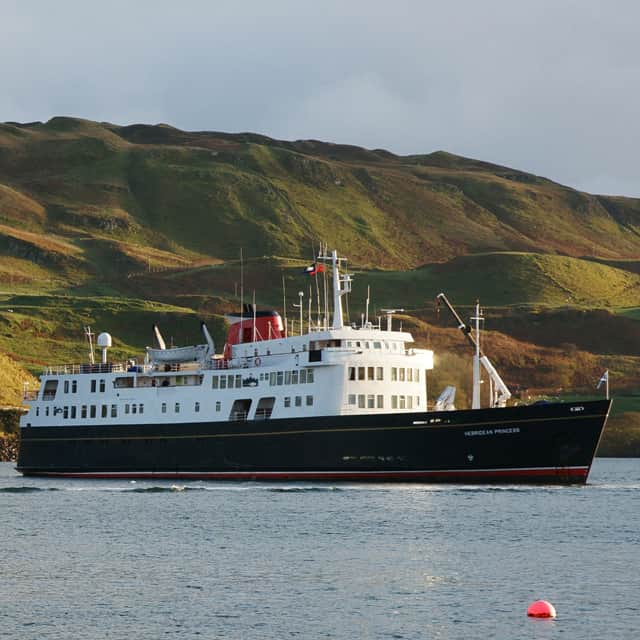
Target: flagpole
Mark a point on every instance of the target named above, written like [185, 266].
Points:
[606, 388]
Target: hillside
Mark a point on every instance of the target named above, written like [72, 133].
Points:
[119, 227]
[184, 197]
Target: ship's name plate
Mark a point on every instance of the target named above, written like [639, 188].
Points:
[496, 431]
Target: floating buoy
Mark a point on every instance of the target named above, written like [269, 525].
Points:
[541, 609]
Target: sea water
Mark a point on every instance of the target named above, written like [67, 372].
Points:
[156, 559]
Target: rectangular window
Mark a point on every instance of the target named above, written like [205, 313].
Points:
[380, 402]
[83, 411]
[134, 408]
[223, 382]
[409, 402]
[46, 411]
[74, 386]
[379, 373]
[103, 411]
[66, 386]
[230, 379]
[93, 386]
[214, 382]
[361, 372]
[377, 345]
[417, 401]
[177, 407]
[163, 407]
[371, 402]
[309, 401]
[272, 378]
[287, 402]
[352, 398]
[401, 374]
[352, 373]
[361, 400]
[394, 374]
[303, 376]
[403, 402]
[218, 405]
[298, 401]
[394, 402]
[287, 377]
[416, 375]
[197, 407]
[126, 408]
[409, 375]
[294, 377]
[141, 408]
[309, 376]
[65, 413]
[280, 378]
[102, 386]
[370, 373]
[238, 381]
[114, 410]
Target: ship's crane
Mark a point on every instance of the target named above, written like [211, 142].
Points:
[499, 393]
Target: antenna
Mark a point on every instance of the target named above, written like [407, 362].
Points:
[254, 315]
[241, 295]
[366, 318]
[284, 305]
[89, 335]
[301, 307]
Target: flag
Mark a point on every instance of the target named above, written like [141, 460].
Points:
[603, 379]
[314, 268]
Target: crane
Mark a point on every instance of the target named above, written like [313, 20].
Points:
[499, 392]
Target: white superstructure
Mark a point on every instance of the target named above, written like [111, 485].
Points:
[327, 371]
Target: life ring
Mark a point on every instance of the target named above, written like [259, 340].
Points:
[257, 362]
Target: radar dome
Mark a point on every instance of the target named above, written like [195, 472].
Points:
[104, 340]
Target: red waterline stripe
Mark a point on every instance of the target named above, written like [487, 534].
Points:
[545, 472]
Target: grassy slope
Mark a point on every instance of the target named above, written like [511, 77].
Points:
[127, 214]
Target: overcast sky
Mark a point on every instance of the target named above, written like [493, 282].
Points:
[551, 87]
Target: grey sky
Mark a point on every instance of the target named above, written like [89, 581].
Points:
[551, 87]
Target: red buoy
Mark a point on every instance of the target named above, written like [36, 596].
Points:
[541, 609]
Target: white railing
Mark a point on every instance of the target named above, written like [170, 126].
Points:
[73, 369]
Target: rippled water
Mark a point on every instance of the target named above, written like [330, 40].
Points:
[119, 559]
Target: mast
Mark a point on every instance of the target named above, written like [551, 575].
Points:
[89, 334]
[475, 401]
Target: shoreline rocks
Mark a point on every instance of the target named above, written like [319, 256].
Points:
[8, 447]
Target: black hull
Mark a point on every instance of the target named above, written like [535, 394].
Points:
[548, 443]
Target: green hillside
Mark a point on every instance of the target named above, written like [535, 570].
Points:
[120, 227]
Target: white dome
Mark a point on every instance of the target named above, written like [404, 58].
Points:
[104, 340]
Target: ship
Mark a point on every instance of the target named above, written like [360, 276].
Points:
[333, 401]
